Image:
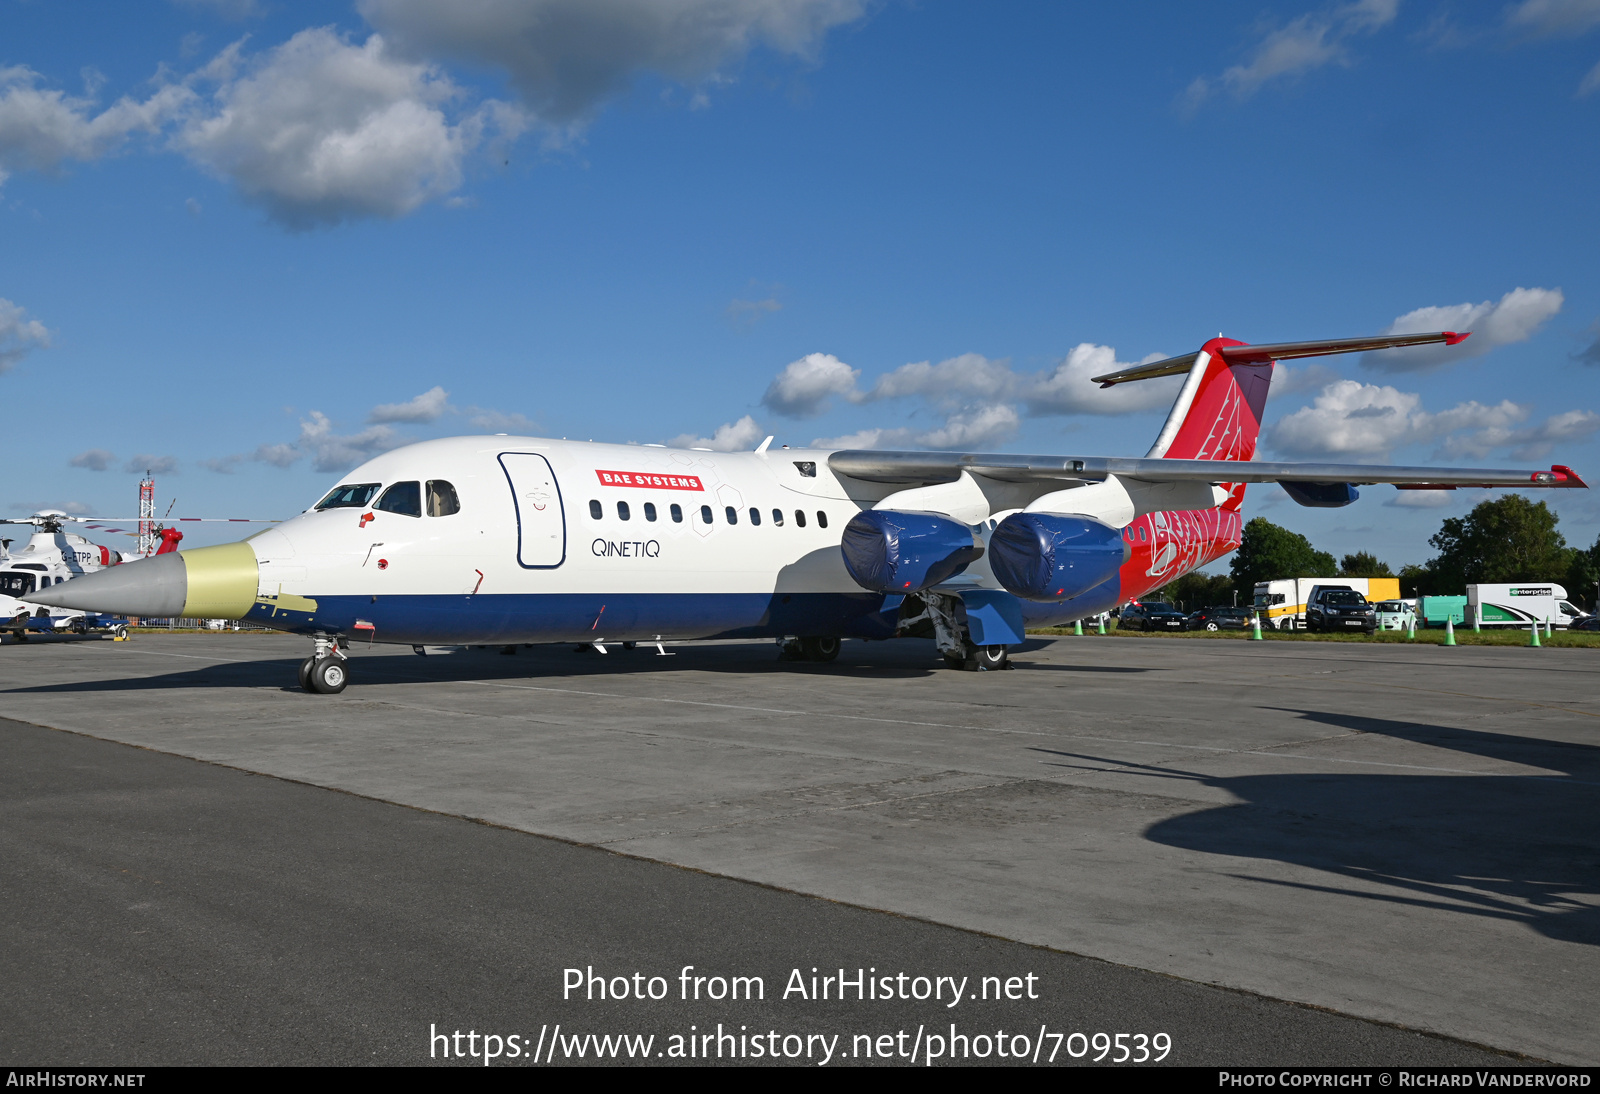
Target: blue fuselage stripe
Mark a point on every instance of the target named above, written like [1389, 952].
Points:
[576, 617]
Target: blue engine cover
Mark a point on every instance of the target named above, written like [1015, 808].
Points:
[1042, 556]
[1321, 495]
[893, 552]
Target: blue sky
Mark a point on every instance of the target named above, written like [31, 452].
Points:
[250, 247]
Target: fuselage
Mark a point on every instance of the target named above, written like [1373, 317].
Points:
[530, 540]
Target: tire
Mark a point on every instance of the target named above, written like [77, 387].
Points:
[305, 672]
[820, 648]
[1211, 626]
[991, 658]
[329, 675]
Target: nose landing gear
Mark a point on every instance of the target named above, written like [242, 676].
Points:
[327, 670]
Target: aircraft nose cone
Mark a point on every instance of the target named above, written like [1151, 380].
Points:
[206, 582]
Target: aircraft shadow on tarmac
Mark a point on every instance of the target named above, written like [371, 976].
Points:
[1521, 848]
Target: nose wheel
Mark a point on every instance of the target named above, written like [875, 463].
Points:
[327, 671]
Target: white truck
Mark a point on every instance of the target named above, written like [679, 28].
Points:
[1521, 605]
[1282, 603]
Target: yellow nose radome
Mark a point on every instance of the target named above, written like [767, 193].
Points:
[205, 583]
[222, 581]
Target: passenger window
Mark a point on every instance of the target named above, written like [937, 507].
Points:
[755, 515]
[1143, 537]
[732, 514]
[404, 498]
[777, 517]
[594, 510]
[622, 511]
[822, 519]
[677, 513]
[442, 500]
[650, 510]
[705, 514]
[800, 517]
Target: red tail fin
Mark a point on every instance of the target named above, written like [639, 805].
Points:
[1218, 413]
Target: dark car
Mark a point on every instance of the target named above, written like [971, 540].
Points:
[1587, 623]
[1219, 618]
[1151, 616]
[1339, 608]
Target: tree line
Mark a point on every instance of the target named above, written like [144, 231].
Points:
[1508, 539]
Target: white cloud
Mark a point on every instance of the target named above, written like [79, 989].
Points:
[155, 465]
[566, 56]
[730, 437]
[803, 388]
[332, 452]
[278, 455]
[95, 459]
[1350, 420]
[1555, 16]
[319, 130]
[750, 312]
[951, 381]
[19, 335]
[1571, 427]
[227, 9]
[1590, 82]
[984, 427]
[1067, 388]
[426, 407]
[1365, 422]
[1308, 42]
[222, 465]
[1291, 379]
[41, 129]
[1421, 499]
[495, 421]
[1516, 317]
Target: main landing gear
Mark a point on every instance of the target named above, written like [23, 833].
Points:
[327, 670]
[819, 648]
[940, 616]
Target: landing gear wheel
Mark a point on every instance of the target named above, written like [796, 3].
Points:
[990, 658]
[329, 675]
[305, 672]
[822, 648]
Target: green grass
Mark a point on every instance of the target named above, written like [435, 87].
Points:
[1559, 640]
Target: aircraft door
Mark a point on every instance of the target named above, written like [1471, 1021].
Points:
[541, 522]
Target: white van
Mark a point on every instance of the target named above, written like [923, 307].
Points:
[1521, 605]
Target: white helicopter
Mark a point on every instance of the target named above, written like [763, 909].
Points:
[509, 540]
[53, 556]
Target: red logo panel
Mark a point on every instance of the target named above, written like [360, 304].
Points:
[649, 480]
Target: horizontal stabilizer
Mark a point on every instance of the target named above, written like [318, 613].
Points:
[1280, 351]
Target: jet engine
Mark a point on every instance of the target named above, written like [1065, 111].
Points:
[1048, 556]
[890, 551]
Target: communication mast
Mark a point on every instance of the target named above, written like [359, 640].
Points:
[147, 514]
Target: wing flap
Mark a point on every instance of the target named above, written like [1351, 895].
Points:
[935, 467]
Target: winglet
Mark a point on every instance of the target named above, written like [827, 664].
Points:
[1451, 337]
[762, 447]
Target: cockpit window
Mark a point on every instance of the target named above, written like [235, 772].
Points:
[17, 585]
[353, 495]
[404, 498]
[442, 500]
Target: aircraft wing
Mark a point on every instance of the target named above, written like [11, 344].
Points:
[912, 468]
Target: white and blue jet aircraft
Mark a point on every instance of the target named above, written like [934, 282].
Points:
[509, 540]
